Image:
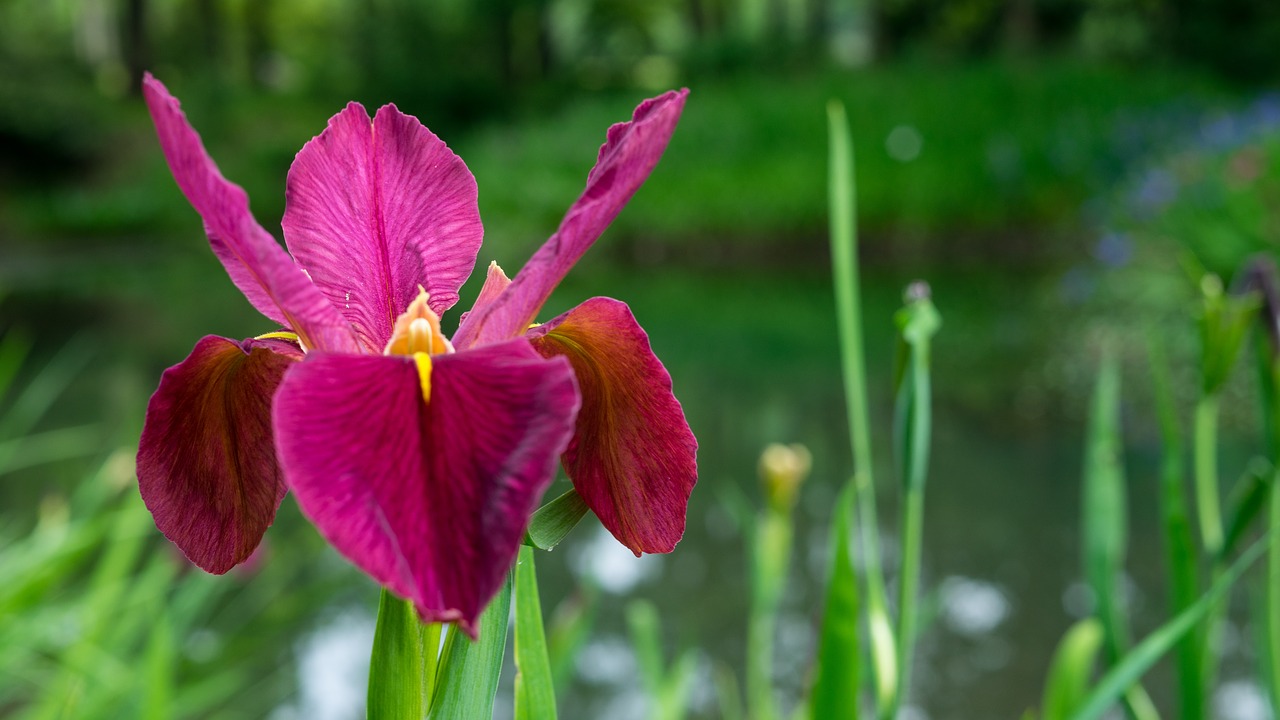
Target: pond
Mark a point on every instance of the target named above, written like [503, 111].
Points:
[752, 352]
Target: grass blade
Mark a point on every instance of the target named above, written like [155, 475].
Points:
[1179, 537]
[468, 677]
[1103, 505]
[1272, 594]
[1072, 668]
[554, 521]
[402, 668]
[1248, 498]
[729, 696]
[1269, 384]
[668, 690]
[1137, 661]
[673, 696]
[835, 691]
[646, 642]
[535, 689]
[1104, 523]
[569, 630]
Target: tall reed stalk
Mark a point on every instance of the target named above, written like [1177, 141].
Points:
[844, 267]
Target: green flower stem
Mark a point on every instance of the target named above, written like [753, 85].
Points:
[1211, 535]
[1269, 381]
[917, 323]
[909, 583]
[770, 556]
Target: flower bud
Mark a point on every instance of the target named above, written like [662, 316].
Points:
[782, 469]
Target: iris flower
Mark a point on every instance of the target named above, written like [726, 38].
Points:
[418, 458]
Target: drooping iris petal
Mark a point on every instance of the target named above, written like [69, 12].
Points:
[629, 154]
[432, 498]
[206, 461]
[259, 267]
[633, 456]
[374, 210]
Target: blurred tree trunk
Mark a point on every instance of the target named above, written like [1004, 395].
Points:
[819, 25]
[524, 40]
[259, 45]
[504, 12]
[698, 22]
[1020, 26]
[134, 46]
[210, 33]
[546, 45]
[365, 37]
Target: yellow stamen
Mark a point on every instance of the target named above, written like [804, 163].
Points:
[279, 335]
[423, 361]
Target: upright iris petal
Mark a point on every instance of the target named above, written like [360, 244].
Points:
[376, 210]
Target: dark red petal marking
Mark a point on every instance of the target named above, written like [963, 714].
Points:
[206, 461]
[633, 457]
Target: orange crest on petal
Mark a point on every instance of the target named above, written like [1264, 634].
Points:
[417, 330]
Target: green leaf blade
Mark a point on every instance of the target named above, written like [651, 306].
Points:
[1126, 673]
[467, 680]
[1072, 668]
[535, 689]
[555, 520]
[835, 691]
[403, 664]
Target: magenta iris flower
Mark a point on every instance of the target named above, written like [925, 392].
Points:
[419, 459]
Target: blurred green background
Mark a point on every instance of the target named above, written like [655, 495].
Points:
[1042, 163]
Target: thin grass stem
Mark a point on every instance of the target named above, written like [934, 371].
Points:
[1179, 539]
[1273, 599]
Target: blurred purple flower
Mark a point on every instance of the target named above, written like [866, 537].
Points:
[1114, 249]
[1221, 131]
[1157, 188]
